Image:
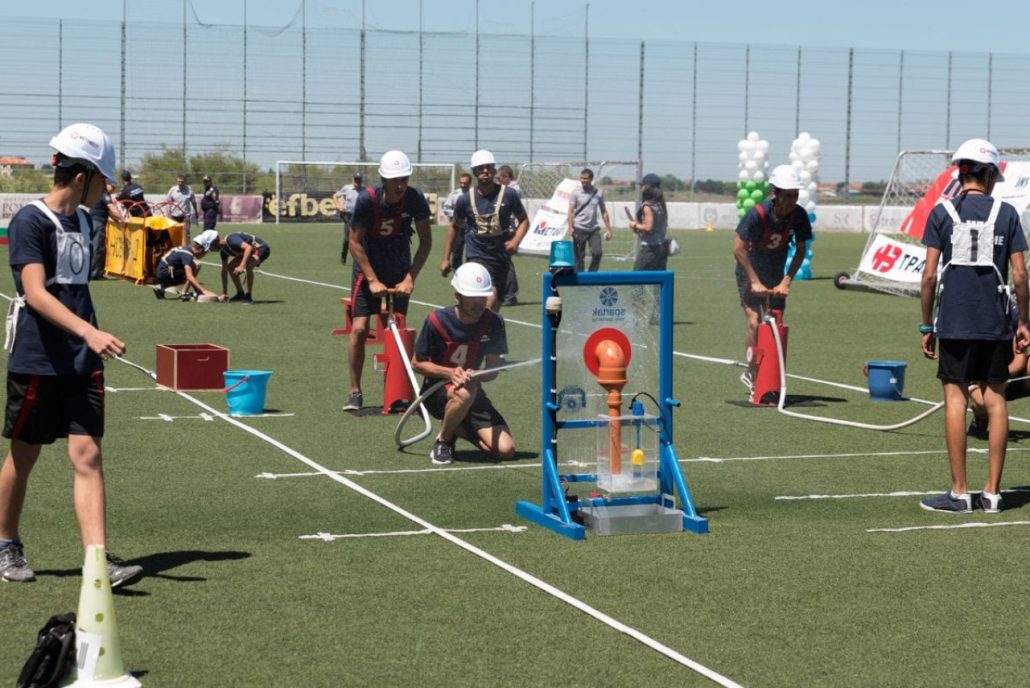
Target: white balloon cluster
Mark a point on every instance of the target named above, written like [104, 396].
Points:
[805, 157]
[754, 152]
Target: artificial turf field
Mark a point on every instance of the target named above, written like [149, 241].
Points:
[782, 592]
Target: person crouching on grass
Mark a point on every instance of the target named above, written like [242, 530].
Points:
[242, 252]
[453, 343]
[179, 267]
[973, 326]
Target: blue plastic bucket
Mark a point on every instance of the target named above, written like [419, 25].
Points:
[886, 379]
[245, 391]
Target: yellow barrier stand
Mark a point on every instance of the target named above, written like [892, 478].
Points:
[132, 245]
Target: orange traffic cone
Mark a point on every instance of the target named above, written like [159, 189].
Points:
[98, 653]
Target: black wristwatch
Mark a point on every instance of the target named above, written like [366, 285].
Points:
[925, 329]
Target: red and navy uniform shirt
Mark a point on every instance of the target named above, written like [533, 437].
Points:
[388, 228]
[447, 341]
[767, 239]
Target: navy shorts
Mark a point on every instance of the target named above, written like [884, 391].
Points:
[481, 415]
[43, 408]
[363, 304]
[752, 301]
[974, 360]
[498, 270]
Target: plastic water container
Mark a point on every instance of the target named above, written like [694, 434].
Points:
[245, 391]
[886, 380]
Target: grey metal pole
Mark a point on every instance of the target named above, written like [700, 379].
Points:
[693, 128]
[244, 181]
[362, 152]
[121, 154]
[797, 97]
[303, 80]
[476, 132]
[184, 82]
[947, 110]
[990, 90]
[847, 131]
[640, 108]
[747, 84]
[60, 73]
[586, 79]
[901, 93]
[421, 49]
[532, 75]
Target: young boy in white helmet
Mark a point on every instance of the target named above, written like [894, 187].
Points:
[977, 238]
[453, 343]
[55, 371]
[178, 267]
[484, 215]
[380, 243]
[760, 249]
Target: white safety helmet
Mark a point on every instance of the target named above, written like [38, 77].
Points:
[206, 238]
[86, 144]
[472, 279]
[482, 157]
[785, 178]
[394, 164]
[981, 151]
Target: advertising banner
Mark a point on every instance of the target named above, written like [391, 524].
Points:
[550, 222]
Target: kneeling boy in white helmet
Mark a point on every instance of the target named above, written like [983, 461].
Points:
[453, 343]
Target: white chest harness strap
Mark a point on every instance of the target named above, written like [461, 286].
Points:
[489, 224]
[972, 244]
[72, 266]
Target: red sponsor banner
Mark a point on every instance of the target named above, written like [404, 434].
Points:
[240, 208]
[945, 186]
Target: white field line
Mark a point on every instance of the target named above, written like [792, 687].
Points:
[956, 526]
[585, 464]
[877, 494]
[430, 471]
[538, 583]
[155, 388]
[206, 417]
[329, 537]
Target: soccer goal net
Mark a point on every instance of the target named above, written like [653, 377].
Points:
[617, 180]
[315, 182]
[893, 258]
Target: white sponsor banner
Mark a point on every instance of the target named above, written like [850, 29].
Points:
[550, 222]
[894, 260]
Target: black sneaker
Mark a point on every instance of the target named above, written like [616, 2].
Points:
[977, 428]
[948, 503]
[990, 503]
[159, 292]
[13, 566]
[122, 573]
[354, 402]
[442, 453]
[240, 298]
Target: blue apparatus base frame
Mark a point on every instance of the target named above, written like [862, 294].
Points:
[555, 512]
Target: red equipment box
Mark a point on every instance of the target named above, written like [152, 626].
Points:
[192, 366]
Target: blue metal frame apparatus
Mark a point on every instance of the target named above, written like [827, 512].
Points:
[554, 511]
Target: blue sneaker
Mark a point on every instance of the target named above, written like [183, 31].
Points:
[990, 503]
[949, 503]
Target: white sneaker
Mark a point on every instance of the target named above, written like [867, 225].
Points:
[990, 503]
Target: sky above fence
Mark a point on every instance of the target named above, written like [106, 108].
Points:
[868, 79]
[887, 24]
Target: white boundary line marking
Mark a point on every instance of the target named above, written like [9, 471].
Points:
[876, 494]
[956, 526]
[529, 578]
[435, 470]
[209, 418]
[329, 537]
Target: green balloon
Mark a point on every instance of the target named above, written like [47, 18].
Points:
[748, 204]
[750, 186]
[742, 194]
[757, 195]
[741, 213]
